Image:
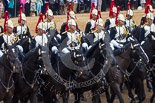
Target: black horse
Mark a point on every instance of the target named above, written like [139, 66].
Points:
[148, 46]
[9, 64]
[102, 55]
[115, 76]
[26, 84]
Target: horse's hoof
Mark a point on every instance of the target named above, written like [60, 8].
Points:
[132, 101]
[116, 97]
[83, 98]
[136, 96]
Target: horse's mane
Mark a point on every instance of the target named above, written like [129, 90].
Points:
[91, 50]
[109, 54]
[135, 32]
[127, 45]
[30, 53]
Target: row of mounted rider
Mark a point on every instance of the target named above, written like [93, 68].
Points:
[74, 42]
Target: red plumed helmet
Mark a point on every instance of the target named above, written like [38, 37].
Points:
[111, 8]
[70, 7]
[148, 2]
[118, 11]
[67, 21]
[47, 7]
[6, 17]
[20, 12]
[92, 7]
[39, 20]
[128, 8]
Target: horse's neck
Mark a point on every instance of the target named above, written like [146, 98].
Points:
[148, 48]
[124, 59]
[28, 72]
[98, 62]
[29, 68]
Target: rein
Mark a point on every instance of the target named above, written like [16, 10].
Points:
[34, 79]
[35, 75]
[7, 88]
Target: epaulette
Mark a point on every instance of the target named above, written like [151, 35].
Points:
[64, 32]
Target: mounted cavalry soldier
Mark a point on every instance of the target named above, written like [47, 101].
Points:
[40, 38]
[98, 33]
[148, 27]
[130, 23]
[70, 15]
[119, 33]
[148, 9]
[22, 29]
[70, 40]
[50, 24]
[90, 26]
[8, 36]
[112, 14]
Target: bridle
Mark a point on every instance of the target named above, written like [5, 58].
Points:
[12, 71]
[35, 73]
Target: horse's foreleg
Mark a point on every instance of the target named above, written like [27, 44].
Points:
[96, 98]
[77, 97]
[143, 92]
[152, 98]
[107, 94]
[153, 85]
[33, 98]
[131, 97]
[65, 97]
[15, 99]
[8, 98]
[116, 90]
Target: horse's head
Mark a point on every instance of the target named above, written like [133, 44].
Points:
[78, 57]
[97, 52]
[10, 58]
[137, 49]
[34, 58]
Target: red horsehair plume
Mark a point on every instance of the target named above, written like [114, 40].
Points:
[47, 7]
[39, 20]
[6, 17]
[147, 9]
[67, 21]
[20, 12]
[92, 7]
[98, 16]
[118, 11]
[128, 8]
[111, 8]
[70, 7]
[148, 2]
